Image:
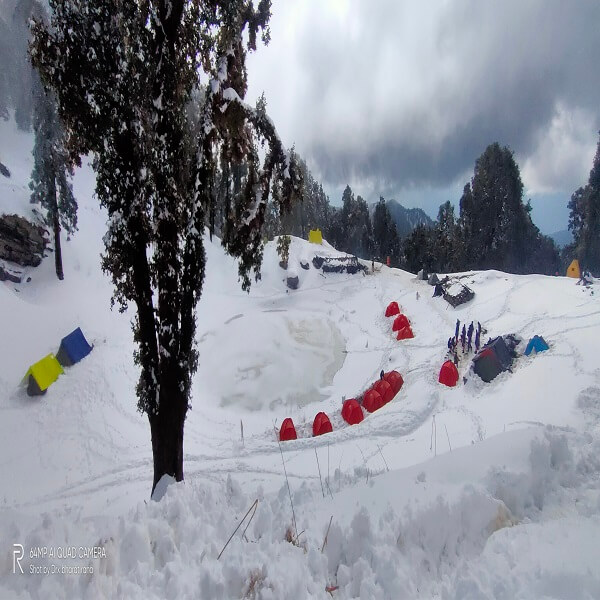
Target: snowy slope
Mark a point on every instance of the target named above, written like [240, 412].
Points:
[492, 518]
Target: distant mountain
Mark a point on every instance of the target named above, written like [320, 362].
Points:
[406, 219]
[562, 238]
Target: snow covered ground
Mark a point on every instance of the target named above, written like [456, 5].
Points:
[479, 491]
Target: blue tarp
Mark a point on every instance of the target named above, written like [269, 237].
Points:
[536, 344]
[73, 348]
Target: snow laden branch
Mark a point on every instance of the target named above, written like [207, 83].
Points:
[125, 75]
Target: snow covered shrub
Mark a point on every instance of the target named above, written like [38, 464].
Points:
[283, 249]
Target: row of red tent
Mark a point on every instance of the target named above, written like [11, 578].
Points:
[380, 393]
[448, 373]
[401, 322]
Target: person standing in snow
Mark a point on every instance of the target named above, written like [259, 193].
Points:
[381, 374]
[457, 329]
[463, 336]
[477, 339]
[470, 337]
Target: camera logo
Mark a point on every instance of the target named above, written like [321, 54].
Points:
[17, 557]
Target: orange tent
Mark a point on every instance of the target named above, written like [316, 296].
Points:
[321, 424]
[287, 431]
[448, 374]
[352, 412]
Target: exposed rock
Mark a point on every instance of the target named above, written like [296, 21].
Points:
[8, 275]
[305, 264]
[4, 170]
[292, 282]
[21, 242]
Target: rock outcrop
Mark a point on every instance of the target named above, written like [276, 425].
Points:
[21, 242]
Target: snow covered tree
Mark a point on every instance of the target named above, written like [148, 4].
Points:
[445, 240]
[356, 229]
[124, 72]
[584, 219]
[385, 235]
[418, 249]
[50, 179]
[497, 230]
[283, 249]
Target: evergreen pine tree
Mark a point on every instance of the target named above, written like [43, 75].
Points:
[385, 235]
[590, 231]
[124, 73]
[496, 227]
[50, 179]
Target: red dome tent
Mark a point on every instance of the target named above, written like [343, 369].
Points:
[448, 374]
[395, 380]
[372, 401]
[321, 424]
[399, 322]
[384, 389]
[352, 412]
[405, 333]
[392, 309]
[287, 431]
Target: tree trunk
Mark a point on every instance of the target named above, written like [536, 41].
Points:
[167, 430]
[57, 250]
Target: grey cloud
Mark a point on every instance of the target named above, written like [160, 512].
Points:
[478, 72]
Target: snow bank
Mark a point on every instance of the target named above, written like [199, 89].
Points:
[448, 527]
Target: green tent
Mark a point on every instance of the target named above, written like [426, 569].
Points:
[42, 374]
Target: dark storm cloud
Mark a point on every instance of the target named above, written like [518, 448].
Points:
[409, 94]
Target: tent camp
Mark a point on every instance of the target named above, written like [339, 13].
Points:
[493, 358]
[448, 374]
[573, 270]
[487, 365]
[352, 412]
[287, 431]
[395, 380]
[372, 401]
[438, 291]
[384, 389]
[315, 236]
[392, 309]
[42, 374]
[405, 333]
[73, 348]
[536, 344]
[458, 294]
[321, 424]
[433, 279]
[400, 322]
[500, 347]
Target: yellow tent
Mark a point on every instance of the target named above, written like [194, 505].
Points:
[573, 270]
[315, 236]
[42, 375]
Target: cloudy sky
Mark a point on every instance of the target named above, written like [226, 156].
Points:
[399, 98]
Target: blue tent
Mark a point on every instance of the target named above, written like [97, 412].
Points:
[536, 344]
[73, 348]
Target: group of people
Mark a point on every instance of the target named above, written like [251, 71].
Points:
[465, 339]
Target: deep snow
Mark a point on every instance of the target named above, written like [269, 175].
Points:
[512, 511]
